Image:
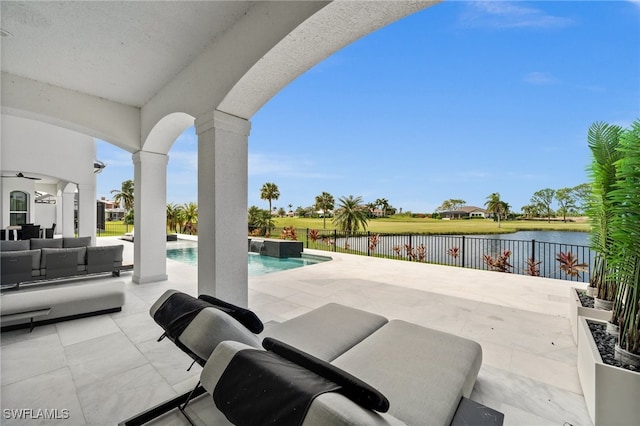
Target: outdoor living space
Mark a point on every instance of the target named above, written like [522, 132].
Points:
[105, 369]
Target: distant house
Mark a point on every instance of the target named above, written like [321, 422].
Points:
[112, 210]
[466, 212]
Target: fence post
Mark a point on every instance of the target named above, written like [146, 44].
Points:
[533, 251]
[368, 245]
[462, 250]
[307, 237]
[335, 240]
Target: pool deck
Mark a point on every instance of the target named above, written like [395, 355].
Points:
[108, 368]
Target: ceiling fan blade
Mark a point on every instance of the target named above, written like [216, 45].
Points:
[20, 175]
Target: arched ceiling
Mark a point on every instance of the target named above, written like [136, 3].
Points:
[113, 70]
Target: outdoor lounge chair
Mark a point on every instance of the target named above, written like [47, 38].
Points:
[362, 368]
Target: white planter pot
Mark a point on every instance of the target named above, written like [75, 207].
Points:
[606, 305]
[576, 310]
[592, 291]
[611, 393]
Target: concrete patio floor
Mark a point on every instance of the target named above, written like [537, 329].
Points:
[107, 368]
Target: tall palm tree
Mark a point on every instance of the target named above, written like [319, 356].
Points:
[324, 202]
[190, 216]
[384, 203]
[495, 205]
[172, 216]
[350, 216]
[124, 195]
[269, 191]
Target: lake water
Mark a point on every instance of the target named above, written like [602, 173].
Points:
[560, 237]
[470, 250]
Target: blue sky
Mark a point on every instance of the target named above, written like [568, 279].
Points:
[457, 101]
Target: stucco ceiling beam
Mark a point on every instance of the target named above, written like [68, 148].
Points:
[114, 122]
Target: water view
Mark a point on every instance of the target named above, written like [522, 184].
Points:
[529, 252]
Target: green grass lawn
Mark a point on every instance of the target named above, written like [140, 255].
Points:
[406, 225]
[115, 229]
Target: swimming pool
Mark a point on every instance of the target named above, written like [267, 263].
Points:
[258, 265]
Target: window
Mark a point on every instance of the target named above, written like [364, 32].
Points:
[19, 208]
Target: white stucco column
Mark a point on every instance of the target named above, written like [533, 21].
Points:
[68, 210]
[150, 217]
[87, 211]
[222, 206]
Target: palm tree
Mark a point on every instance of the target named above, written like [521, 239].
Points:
[350, 216]
[124, 196]
[269, 191]
[384, 203]
[172, 216]
[495, 205]
[190, 216]
[263, 220]
[324, 202]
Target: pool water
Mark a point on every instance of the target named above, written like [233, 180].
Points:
[258, 265]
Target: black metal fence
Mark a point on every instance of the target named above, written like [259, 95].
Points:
[525, 257]
[113, 229]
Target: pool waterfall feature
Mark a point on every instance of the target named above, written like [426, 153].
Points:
[275, 248]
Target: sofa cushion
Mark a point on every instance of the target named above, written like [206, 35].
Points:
[14, 245]
[327, 332]
[17, 266]
[116, 249]
[39, 243]
[79, 251]
[76, 242]
[423, 372]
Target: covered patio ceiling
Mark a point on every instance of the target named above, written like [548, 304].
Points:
[91, 65]
[136, 74]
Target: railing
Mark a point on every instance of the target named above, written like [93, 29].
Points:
[525, 257]
[113, 229]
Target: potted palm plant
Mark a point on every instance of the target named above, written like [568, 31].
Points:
[626, 246]
[610, 382]
[603, 139]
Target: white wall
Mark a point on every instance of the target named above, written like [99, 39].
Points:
[30, 146]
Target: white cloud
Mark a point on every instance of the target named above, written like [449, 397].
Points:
[506, 14]
[540, 78]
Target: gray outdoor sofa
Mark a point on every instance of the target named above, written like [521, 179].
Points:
[424, 375]
[46, 259]
[40, 282]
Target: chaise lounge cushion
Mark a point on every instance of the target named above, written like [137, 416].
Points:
[327, 332]
[352, 387]
[327, 409]
[14, 245]
[39, 243]
[209, 327]
[423, 372]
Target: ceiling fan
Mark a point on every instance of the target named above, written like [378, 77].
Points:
[20, 175]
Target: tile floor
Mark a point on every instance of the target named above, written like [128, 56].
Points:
[104, 369]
